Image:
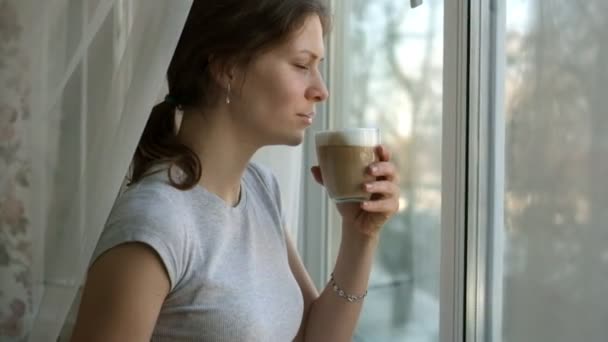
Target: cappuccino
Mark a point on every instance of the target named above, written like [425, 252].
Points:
[344, 156]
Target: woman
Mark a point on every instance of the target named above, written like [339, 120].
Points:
[195, 249]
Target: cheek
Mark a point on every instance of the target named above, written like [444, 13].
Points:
[280, 93]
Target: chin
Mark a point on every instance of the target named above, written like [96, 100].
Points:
[286, 138]
[292, 139]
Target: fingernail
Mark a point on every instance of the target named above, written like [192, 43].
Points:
[368, 186]
[374, 169]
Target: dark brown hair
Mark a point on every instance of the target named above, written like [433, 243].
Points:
[227, 32]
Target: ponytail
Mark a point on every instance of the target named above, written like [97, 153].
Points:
[158, 144]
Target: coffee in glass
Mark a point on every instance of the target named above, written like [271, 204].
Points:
[344, 156]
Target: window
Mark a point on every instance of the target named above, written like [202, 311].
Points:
[386, 70]
[536, 171]
[519, 188]
[555, 238]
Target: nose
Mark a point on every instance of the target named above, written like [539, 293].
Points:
[318, 91]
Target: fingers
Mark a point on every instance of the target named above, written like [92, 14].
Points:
[316, 173]
[384, 169]
[387, 206]
[383, 153]
[386, 188]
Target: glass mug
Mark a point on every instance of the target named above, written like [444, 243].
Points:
[344, 156]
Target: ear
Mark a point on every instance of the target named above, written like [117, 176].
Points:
[222, 72]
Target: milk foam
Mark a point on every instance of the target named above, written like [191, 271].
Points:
[350, 137]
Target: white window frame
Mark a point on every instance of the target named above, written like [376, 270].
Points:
[486, 172]
[473, 171]
[454, 170]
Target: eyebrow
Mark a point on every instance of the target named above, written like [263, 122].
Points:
[314, 55]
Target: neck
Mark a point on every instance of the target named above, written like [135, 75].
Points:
[223, 151]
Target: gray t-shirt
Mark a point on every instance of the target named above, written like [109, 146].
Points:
[230, 278]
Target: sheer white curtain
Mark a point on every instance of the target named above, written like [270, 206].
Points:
[78, 79]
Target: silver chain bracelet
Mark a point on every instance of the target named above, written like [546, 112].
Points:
[341, 293]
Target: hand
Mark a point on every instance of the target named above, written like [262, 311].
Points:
[368, 217]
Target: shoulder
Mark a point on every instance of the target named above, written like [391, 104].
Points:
[153, 213]
[152, 198]
[260, 170]
[264, 175]
[267, 187]
[150, 210]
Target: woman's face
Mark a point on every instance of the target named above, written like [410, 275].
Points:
[277, 99]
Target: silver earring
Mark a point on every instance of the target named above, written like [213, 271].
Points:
[228, 94]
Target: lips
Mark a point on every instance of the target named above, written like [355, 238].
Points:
[307, 118]
[310, 115]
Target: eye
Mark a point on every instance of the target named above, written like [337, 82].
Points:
[302, 67]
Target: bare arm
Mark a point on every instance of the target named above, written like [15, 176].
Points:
[329, 317]
[123, 295]
[309, 291]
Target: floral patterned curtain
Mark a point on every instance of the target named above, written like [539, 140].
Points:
[15, 226]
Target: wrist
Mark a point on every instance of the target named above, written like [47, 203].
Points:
[360, 239]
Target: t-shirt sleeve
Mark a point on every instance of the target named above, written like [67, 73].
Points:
[147, 217]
